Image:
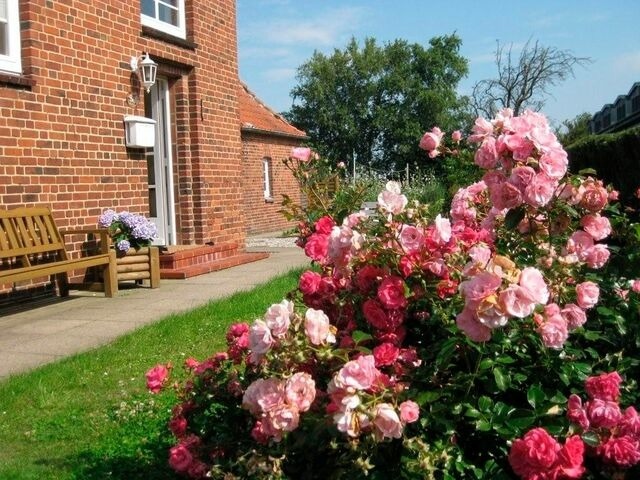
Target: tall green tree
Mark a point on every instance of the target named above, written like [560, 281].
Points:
[574, 129]
[372, 103]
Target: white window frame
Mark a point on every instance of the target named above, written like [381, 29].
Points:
[12, 63]
[179, 31]
[266, 178]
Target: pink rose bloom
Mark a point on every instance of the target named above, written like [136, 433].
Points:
[264, 395]
[302, 154]
[387, 422]
[480, 286]
[579, 243]
[595, 196]
[324, 225]
[278, 317]
[630, 423]
[300, 391]
[156, 378]
[180, 458]
[487, 156]
[471, 327]
[493, 178]
[442, 230]
[309, 282]
[576, 413]
[517, 301]
[391, 292]
[554, 332]
[375, 315]
[521, 177]
[431, 141]
[260, 340]
[597, 226]
[409, 411]
[534, 454]
[358, 374]
[597, 256]
[490, 313]
[571, 458]
[605, 386]
[191, 363]
[532, 280]
[367, 277]
[620, 451]
[587, 295]
[520, 146]
[456, 136]
[614, 195]
[603, 413]
[317, 247]
[317, 327]
[505, 196]
[178, 426]
[554, 163]
[635, 286]
[481, 129]
[411, 238]
[573, 315]
[540, 191]
[392, 202]
[385, 354]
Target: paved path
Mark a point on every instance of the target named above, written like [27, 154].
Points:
[50, 330]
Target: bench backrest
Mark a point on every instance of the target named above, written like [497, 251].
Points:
[29, 231]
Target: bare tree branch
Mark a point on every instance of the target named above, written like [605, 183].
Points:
[524, 82]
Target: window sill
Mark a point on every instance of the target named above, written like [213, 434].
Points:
[268, 200]
[166, 37]
[16, 81]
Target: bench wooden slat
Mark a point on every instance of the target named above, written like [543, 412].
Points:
[29, 236]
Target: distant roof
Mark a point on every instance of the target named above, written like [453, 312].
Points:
[255, 116]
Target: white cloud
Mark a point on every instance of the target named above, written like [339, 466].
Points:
[329, 28]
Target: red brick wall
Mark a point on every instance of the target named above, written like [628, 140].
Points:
[262, 216]
[62, 138]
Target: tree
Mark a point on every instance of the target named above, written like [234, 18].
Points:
[575, 129]
[372, 103]
[523, 82]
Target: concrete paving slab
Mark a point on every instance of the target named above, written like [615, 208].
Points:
[33, 335]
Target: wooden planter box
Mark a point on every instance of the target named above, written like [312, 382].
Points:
[139, 265]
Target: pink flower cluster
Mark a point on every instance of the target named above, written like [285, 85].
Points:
[539, 456]
[355, 392]
[618, 431]
[277, 404]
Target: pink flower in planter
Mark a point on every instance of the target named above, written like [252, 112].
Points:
[157, 377]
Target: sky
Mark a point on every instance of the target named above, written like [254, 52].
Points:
[275, 37]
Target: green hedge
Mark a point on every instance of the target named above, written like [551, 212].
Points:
[615, 156]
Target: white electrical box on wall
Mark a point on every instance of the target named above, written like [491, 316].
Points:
[139, 132]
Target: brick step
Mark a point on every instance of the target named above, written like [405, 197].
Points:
[200, 268]
[181, 256]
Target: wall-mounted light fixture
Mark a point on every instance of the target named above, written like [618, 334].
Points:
[148, 69]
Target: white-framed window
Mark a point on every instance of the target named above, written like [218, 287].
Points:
[10, 37]
[266, 175]
[164, 15]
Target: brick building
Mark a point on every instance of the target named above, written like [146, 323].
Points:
[66, 86]
[266, 140]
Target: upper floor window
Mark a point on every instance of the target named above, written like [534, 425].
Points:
[10, 37]
[164, 15]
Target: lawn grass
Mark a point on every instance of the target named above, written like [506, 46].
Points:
[90, 417]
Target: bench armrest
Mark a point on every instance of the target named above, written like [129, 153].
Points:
[103, 233]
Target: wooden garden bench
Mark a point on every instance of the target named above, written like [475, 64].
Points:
[31, 246]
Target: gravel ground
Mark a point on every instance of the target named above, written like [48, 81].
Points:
[272, 242]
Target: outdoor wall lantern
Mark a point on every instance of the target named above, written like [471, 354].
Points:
[148, 69]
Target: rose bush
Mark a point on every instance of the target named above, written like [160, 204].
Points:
[450, 347]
